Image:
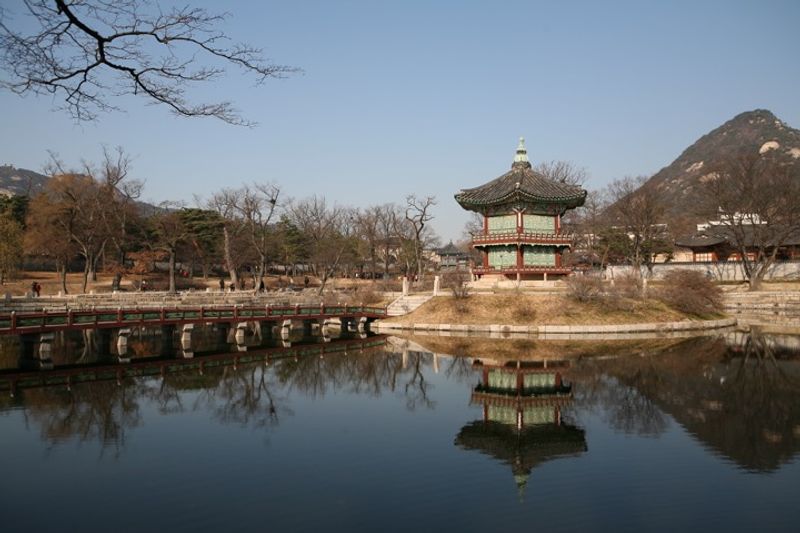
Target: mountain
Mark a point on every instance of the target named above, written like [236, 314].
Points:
[14, 181]
[753, 130]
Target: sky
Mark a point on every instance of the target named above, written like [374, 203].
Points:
[427, 98]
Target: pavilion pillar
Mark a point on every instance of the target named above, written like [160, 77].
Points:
[558, 224]
[486, 258]
[485, 225]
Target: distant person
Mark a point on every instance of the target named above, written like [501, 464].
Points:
[33, 289]
[144, 285]
[38, 289]
[306, 281]
[222, 284]
[233, 287]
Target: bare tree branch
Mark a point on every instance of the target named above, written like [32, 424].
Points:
[88, 51]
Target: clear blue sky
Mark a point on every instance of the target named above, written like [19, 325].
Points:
[429, 97]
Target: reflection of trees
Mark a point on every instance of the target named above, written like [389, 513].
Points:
[251, 394]
[373, 373]
[628, 410]
[89, 412]
[739, 401]
[244, 396]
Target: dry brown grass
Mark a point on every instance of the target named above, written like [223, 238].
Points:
[532, 309]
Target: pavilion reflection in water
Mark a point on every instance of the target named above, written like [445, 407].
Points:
[522, 424]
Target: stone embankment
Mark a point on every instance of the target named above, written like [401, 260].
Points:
[658, 327]
[787, 302]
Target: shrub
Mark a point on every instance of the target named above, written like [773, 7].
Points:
[628, 286]
[457, 282]
[584, 288]
[690, 292]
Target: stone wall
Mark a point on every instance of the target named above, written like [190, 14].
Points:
[730, 271]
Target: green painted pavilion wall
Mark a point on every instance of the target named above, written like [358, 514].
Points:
[538, 223]
[539, 255]
[503, 224]
[502, 256]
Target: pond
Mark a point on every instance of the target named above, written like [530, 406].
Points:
[217, 429]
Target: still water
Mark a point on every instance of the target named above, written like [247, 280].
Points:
[206, 431]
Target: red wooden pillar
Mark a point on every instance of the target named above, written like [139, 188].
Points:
[485, 225]
[519, 256]
[486, 258]
[520, 223]
[558, 257]
[558, 224]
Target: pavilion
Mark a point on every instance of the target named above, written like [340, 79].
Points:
[522, 210]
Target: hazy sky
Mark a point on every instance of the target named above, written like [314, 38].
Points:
[428, 97]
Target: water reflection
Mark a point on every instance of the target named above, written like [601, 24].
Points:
[522, 421]
[735, 394]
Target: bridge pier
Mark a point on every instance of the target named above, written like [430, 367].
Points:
[286, 329]
[186, 341]
[241, 333]
[122, 345]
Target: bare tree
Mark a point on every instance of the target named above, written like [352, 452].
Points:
[418, 215]
[387, 216]
[257, 204]
[121, 214]
[170, 233]
[562, 172]
[224, 203]
[87, 51]
[327, 230]
[638, 213]
[754, 197]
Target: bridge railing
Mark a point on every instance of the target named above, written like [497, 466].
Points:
[11, 322]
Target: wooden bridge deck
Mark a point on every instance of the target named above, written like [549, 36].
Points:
[45, 321]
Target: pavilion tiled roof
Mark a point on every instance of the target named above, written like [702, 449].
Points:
[450, 249]
[521, 184]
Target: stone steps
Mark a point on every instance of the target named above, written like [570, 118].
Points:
[406, 304]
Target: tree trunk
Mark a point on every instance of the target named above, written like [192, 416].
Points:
[229, 257]
[62, 270]
[85, 277]
[172, 271]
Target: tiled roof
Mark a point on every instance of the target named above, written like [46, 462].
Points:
[521, 184]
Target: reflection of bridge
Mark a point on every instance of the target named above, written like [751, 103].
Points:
[45, 321]
[68, 375]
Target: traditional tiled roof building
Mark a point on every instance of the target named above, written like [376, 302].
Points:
[522, 212]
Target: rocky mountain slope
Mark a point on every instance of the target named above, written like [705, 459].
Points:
[679, 182]
[14, 181]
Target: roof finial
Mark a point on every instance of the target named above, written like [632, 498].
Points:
[522, 153]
